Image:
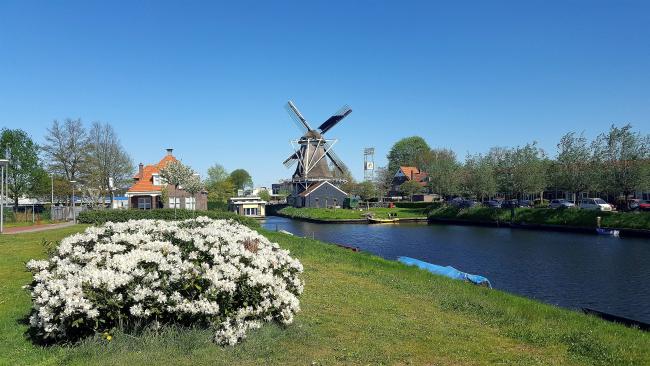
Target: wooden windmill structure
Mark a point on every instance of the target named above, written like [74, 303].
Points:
[313, 151]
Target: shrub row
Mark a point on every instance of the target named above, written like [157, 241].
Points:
[569, 217]
[414, 204]
[98, 217]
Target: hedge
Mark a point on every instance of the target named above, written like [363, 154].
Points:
[414, 204]
[98, 217]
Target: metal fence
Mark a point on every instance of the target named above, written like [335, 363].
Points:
[64, 213]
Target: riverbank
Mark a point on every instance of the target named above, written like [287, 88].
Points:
[356, 309]
[342, 216]
[569, 220]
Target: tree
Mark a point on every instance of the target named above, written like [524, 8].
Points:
[383, 180]
[478, 177]
[349, 184]
[106, 161]
[529, 169]
[443, 171]
[23, 162]
[410, 187]
[241, 179]
[265, 195]
[65, 148]
[176, 174]
[366, 190]
[572, 169]
[221, 191]
[406, 152]
[216, 173]
[623, 155]
[193, 185]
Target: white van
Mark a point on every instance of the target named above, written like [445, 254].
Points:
[595, 204]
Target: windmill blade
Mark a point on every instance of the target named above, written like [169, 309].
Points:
[292, 159]
[297, 117]
[334, 158]
[336, 118]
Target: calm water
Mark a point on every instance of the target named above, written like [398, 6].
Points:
[570, 270]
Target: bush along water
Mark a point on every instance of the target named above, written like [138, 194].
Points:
[199, 272]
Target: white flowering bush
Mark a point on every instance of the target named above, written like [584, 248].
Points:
[215, 273]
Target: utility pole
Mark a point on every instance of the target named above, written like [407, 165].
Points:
[4, 165]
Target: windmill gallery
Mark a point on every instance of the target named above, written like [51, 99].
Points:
[314, 183]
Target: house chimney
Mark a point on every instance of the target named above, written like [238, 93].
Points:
[169, 150]
[141, 170]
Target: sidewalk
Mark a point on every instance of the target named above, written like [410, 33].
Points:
[35, 228]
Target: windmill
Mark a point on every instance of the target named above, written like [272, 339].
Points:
[313, 152]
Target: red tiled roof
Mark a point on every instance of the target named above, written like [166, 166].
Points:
[414, 173]
[145, 184]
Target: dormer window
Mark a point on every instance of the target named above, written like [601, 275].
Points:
[157, 181]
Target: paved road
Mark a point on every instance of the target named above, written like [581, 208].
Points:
[35, 228]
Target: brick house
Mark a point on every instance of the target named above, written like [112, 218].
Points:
[404, 174]
[148, 190]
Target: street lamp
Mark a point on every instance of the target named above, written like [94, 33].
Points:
[4, 165]
[74, 216]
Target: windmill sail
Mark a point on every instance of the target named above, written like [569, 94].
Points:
[297, 117]
[336, 118]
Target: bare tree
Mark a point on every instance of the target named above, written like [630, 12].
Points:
[65, 148]
[106, 161]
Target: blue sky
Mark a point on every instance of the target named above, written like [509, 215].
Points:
[210, 79]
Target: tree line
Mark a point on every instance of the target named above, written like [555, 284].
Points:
[616, 163]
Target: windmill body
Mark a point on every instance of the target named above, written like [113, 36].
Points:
[313, 155]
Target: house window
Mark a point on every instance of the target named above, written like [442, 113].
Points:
[174, 202]
[190, 203]
[157, 181]
[144, 203]
[250, 211]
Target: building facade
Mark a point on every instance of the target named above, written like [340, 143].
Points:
[149, 191]
[320, 194]
[247, 206]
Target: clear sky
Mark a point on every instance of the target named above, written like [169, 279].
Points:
[210, 79]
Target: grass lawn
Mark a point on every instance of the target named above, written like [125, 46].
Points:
[27, 223]
[356, 309]
[345, 214]
[570, 217]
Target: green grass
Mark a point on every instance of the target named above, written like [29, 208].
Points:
[345, 214]
[356, 309]
[569, 217]
[27, 223]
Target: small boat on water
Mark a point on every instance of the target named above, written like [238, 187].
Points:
[373, 220]
[603, 231]
[447, 271]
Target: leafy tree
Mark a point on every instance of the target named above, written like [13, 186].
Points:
[106, 161]
[383, 180]
[478, 177]
[623, 155]
[24, 168]
[410, 187]
[366, 190]
[65, 148]
[241, 179]
[216, 173]
[572, 169]
[406, 152]
[443, 171]
[529, 169]
[221, 191]
[193, 185]
[176, 174]
[265, 195]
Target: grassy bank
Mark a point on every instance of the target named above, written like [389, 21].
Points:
[344, 214]
[569, 217]
[357, 309]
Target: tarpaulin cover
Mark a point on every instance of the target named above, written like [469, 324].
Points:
[448, 271]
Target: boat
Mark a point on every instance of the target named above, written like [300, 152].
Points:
[447, 271]
[603, 231]
[373, 220]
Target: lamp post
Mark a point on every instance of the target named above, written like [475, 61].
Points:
[4, 165]
[74, 215]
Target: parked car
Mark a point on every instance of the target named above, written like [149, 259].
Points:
[644, 205]
[595, 204]
[525, 203]
[510, 204]
[561, 203]
[493, 204]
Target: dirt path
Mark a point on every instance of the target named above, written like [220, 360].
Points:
[35, 228]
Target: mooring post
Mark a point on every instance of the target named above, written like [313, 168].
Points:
[598, 220]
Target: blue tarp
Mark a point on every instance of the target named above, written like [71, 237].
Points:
[448, 271]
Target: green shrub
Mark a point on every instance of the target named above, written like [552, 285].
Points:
[217, 205]
[413, 204]
[98, 217]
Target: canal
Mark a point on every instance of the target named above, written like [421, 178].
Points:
[570, 270]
